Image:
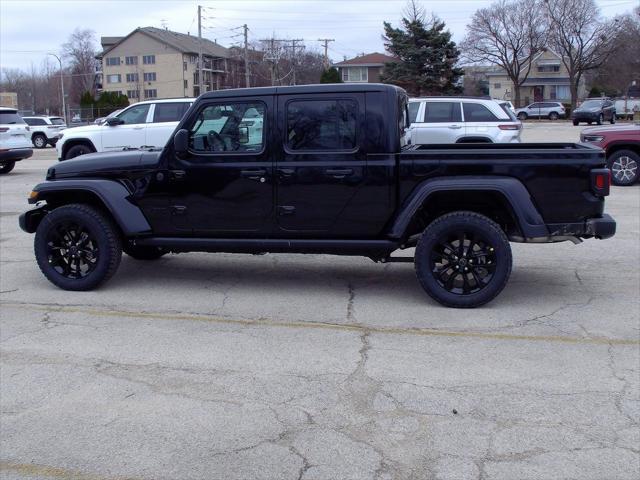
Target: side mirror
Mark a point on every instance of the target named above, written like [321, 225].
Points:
[113, 121]
[181, 141]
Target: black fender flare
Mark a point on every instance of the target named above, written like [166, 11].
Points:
[529, 219]
[114, 196]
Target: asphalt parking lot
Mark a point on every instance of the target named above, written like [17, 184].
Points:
[224, 366]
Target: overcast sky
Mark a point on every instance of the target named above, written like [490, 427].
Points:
[29, 28]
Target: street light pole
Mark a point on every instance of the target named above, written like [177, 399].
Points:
[64, 109]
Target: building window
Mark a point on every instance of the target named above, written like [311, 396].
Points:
[321, 125]
[133, 93]
[132, 77]
[355, 74]
[131, 60]
[150, 76]
[186, 84]
[548, 68]
[184, 66]
[151, 93]
[497, 85]
[113, 61]
[115, 78]
[149, 59]
[559, 92]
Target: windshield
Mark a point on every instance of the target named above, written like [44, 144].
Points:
[592, 104]
[10, 118]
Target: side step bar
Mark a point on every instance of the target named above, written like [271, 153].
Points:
[374, 248]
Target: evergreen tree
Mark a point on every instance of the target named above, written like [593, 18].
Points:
[86, 100]
[330, 75]
[427, 55]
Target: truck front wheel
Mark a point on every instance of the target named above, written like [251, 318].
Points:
[463, 259]
[77, 247]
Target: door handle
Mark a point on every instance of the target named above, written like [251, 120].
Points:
[455, 127]
[338, 172]
[257, 174]
[177, 174]
[286, 172]
[138, 128]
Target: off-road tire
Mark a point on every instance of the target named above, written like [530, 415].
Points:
[139, 252]
[107, 239]
[7, 167]
[477, 226]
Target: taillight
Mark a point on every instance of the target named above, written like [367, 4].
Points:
[4, 129]
[601, 181]
[509, 126]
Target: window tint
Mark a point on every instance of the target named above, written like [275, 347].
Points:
[57, 121]
[135, 114]
[505, 108]
[34, 121]
[321, 124]
[442, 112]
[535, 105]
[233, 127]
[474, 112]
[9, 118]
[169, 112]
[413, 111]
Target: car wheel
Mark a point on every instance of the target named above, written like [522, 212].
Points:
[142, 252]
[553, 116]
[589, 122]
[613, 119]
[77, 247]
[77, 150]
[463, 259]
[600, 119]
[39, 141]
[576, 123]
[624, 167]
[522, 116]
[7, 167]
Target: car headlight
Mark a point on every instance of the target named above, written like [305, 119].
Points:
[592, 138]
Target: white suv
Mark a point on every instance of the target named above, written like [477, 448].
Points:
[45, 130]
[461, 120]
[15, 143]
[143, 124]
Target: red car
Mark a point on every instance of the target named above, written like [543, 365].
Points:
[622, 145]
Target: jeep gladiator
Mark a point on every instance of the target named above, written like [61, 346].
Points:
[317, 169]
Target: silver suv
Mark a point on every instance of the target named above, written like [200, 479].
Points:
[45, 130]
[550, 110]
[461, 120]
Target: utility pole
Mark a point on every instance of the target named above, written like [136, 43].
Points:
[200, 49]
[326, 47]
[247, 78]
[293, 56]
[64, 107]
[273, 56]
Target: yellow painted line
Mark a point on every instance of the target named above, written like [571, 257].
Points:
[33, 470]
[350, 327]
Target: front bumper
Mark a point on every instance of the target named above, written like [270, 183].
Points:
[599, 227]
[15, 154]
[30, 219]
[585, 116]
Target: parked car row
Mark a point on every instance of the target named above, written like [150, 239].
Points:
[45, 130]
[15, 141]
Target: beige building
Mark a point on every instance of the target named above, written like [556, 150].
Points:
[158, 63]
[9, 99]
[548, 80]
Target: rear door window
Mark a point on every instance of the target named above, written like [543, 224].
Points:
[442, 112]
[413, 111]
[57, 121]
[474, 112]
[321, 125]
[135, 114]
[169, 112]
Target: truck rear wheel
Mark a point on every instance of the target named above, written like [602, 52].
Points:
[463, 259]
[77, 247]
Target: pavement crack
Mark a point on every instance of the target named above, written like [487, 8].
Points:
[350, 302]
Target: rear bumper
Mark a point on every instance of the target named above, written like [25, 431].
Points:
[15, 154]
[599, 227]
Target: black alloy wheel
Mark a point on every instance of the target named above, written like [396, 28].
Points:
[463, 259]
[77, 247]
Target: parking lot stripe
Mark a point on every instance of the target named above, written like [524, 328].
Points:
[33, 470]
[354, 327]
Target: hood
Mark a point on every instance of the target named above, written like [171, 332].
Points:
[98, 164]
[630, 129]
[82, 129]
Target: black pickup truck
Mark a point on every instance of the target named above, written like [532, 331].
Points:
[317, 169]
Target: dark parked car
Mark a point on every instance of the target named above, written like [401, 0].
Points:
[622, 146]
[318, 169]
[594, 110]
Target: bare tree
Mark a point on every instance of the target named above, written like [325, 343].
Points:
[580, 35]
[80, 51]
[509, 34]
